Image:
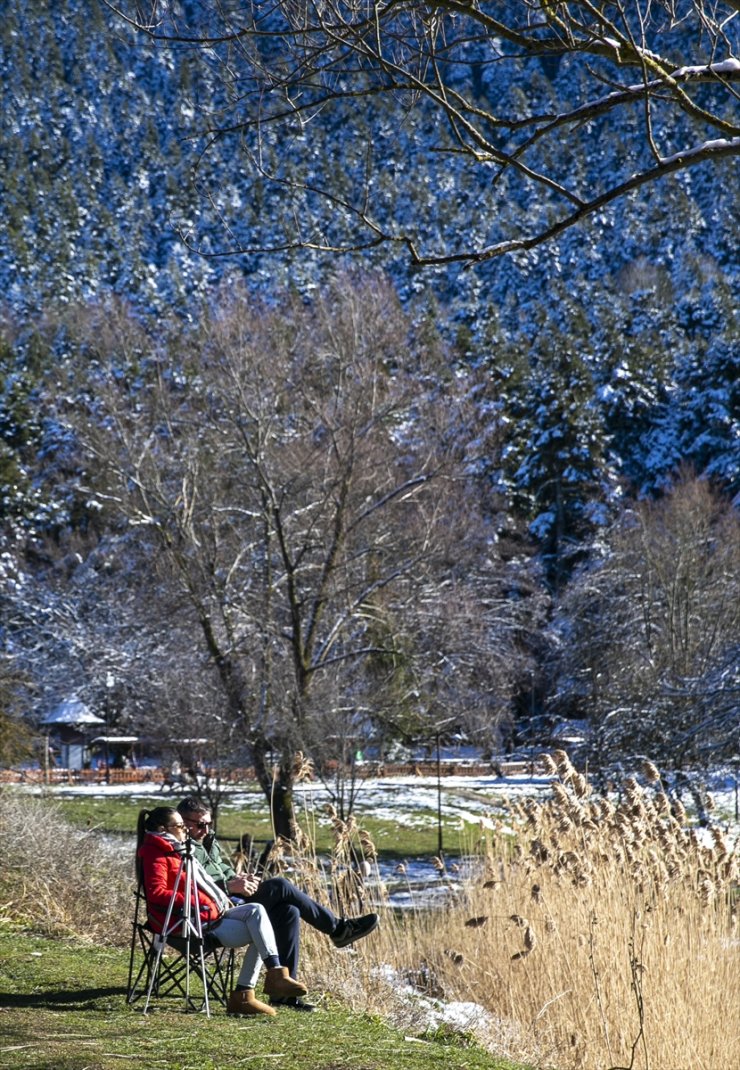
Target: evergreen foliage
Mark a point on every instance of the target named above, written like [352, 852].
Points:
[566, 383]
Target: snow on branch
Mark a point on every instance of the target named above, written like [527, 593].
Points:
[326, 102]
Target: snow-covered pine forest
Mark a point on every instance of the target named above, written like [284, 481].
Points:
[288, 500]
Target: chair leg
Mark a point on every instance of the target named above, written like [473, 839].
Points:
[159, 975]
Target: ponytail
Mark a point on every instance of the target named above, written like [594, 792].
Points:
[150, 821]
[141, 826]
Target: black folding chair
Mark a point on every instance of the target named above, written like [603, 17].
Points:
[194, 967]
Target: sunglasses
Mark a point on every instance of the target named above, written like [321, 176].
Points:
[198, 824]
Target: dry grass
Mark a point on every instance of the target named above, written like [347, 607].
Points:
[598, 934]
[58, 879]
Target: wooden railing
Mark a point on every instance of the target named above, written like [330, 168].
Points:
[365, 771]
[82, 776]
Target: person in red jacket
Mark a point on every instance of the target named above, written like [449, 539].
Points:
[161, 839]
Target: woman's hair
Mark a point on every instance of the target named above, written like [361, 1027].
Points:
[150, 821]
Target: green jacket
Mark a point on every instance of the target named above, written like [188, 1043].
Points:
[216, 866]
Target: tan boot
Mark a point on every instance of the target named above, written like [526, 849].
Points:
[244, 1001]
[280, 984]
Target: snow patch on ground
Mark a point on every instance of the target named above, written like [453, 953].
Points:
[471, 800]
[423, 1015]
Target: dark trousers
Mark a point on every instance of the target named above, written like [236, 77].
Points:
[286, 905]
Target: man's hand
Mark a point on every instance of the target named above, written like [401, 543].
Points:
[243, 885]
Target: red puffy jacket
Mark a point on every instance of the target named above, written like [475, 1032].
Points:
[160, 864]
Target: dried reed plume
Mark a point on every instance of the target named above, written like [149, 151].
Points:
[563, 764]
[650, 772]
[302, 767]
[596, 901]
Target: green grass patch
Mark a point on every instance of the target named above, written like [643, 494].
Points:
[63, 1007]
[394, 839]
[118, 813]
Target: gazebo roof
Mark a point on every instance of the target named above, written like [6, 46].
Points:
[71, 711]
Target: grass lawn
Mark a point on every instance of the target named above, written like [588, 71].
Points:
[394, 839]
[62, 1007]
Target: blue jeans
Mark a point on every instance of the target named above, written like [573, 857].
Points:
[286, 906]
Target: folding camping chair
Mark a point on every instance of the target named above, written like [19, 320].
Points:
[166, 965]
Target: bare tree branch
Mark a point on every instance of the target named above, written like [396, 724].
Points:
[471, 77]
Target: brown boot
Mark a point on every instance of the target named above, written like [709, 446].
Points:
[244, 1001]
[280, 984]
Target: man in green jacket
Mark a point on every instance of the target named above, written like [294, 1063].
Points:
[286, 904]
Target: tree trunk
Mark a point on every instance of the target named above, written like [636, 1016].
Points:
[276, 782]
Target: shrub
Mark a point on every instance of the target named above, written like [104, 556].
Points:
[58, 879]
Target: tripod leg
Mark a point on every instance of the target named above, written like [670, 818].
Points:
[161, 940]
[187, 927]
[198, 928]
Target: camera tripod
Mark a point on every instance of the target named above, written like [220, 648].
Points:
[186, 929]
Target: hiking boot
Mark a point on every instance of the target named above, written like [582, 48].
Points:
[244, 1002]
[280, 984]
[296, 1004]
[350, 929]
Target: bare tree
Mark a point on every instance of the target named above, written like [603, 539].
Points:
[290, 474]
[650, 633]
[200, 742]
[518, 98]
